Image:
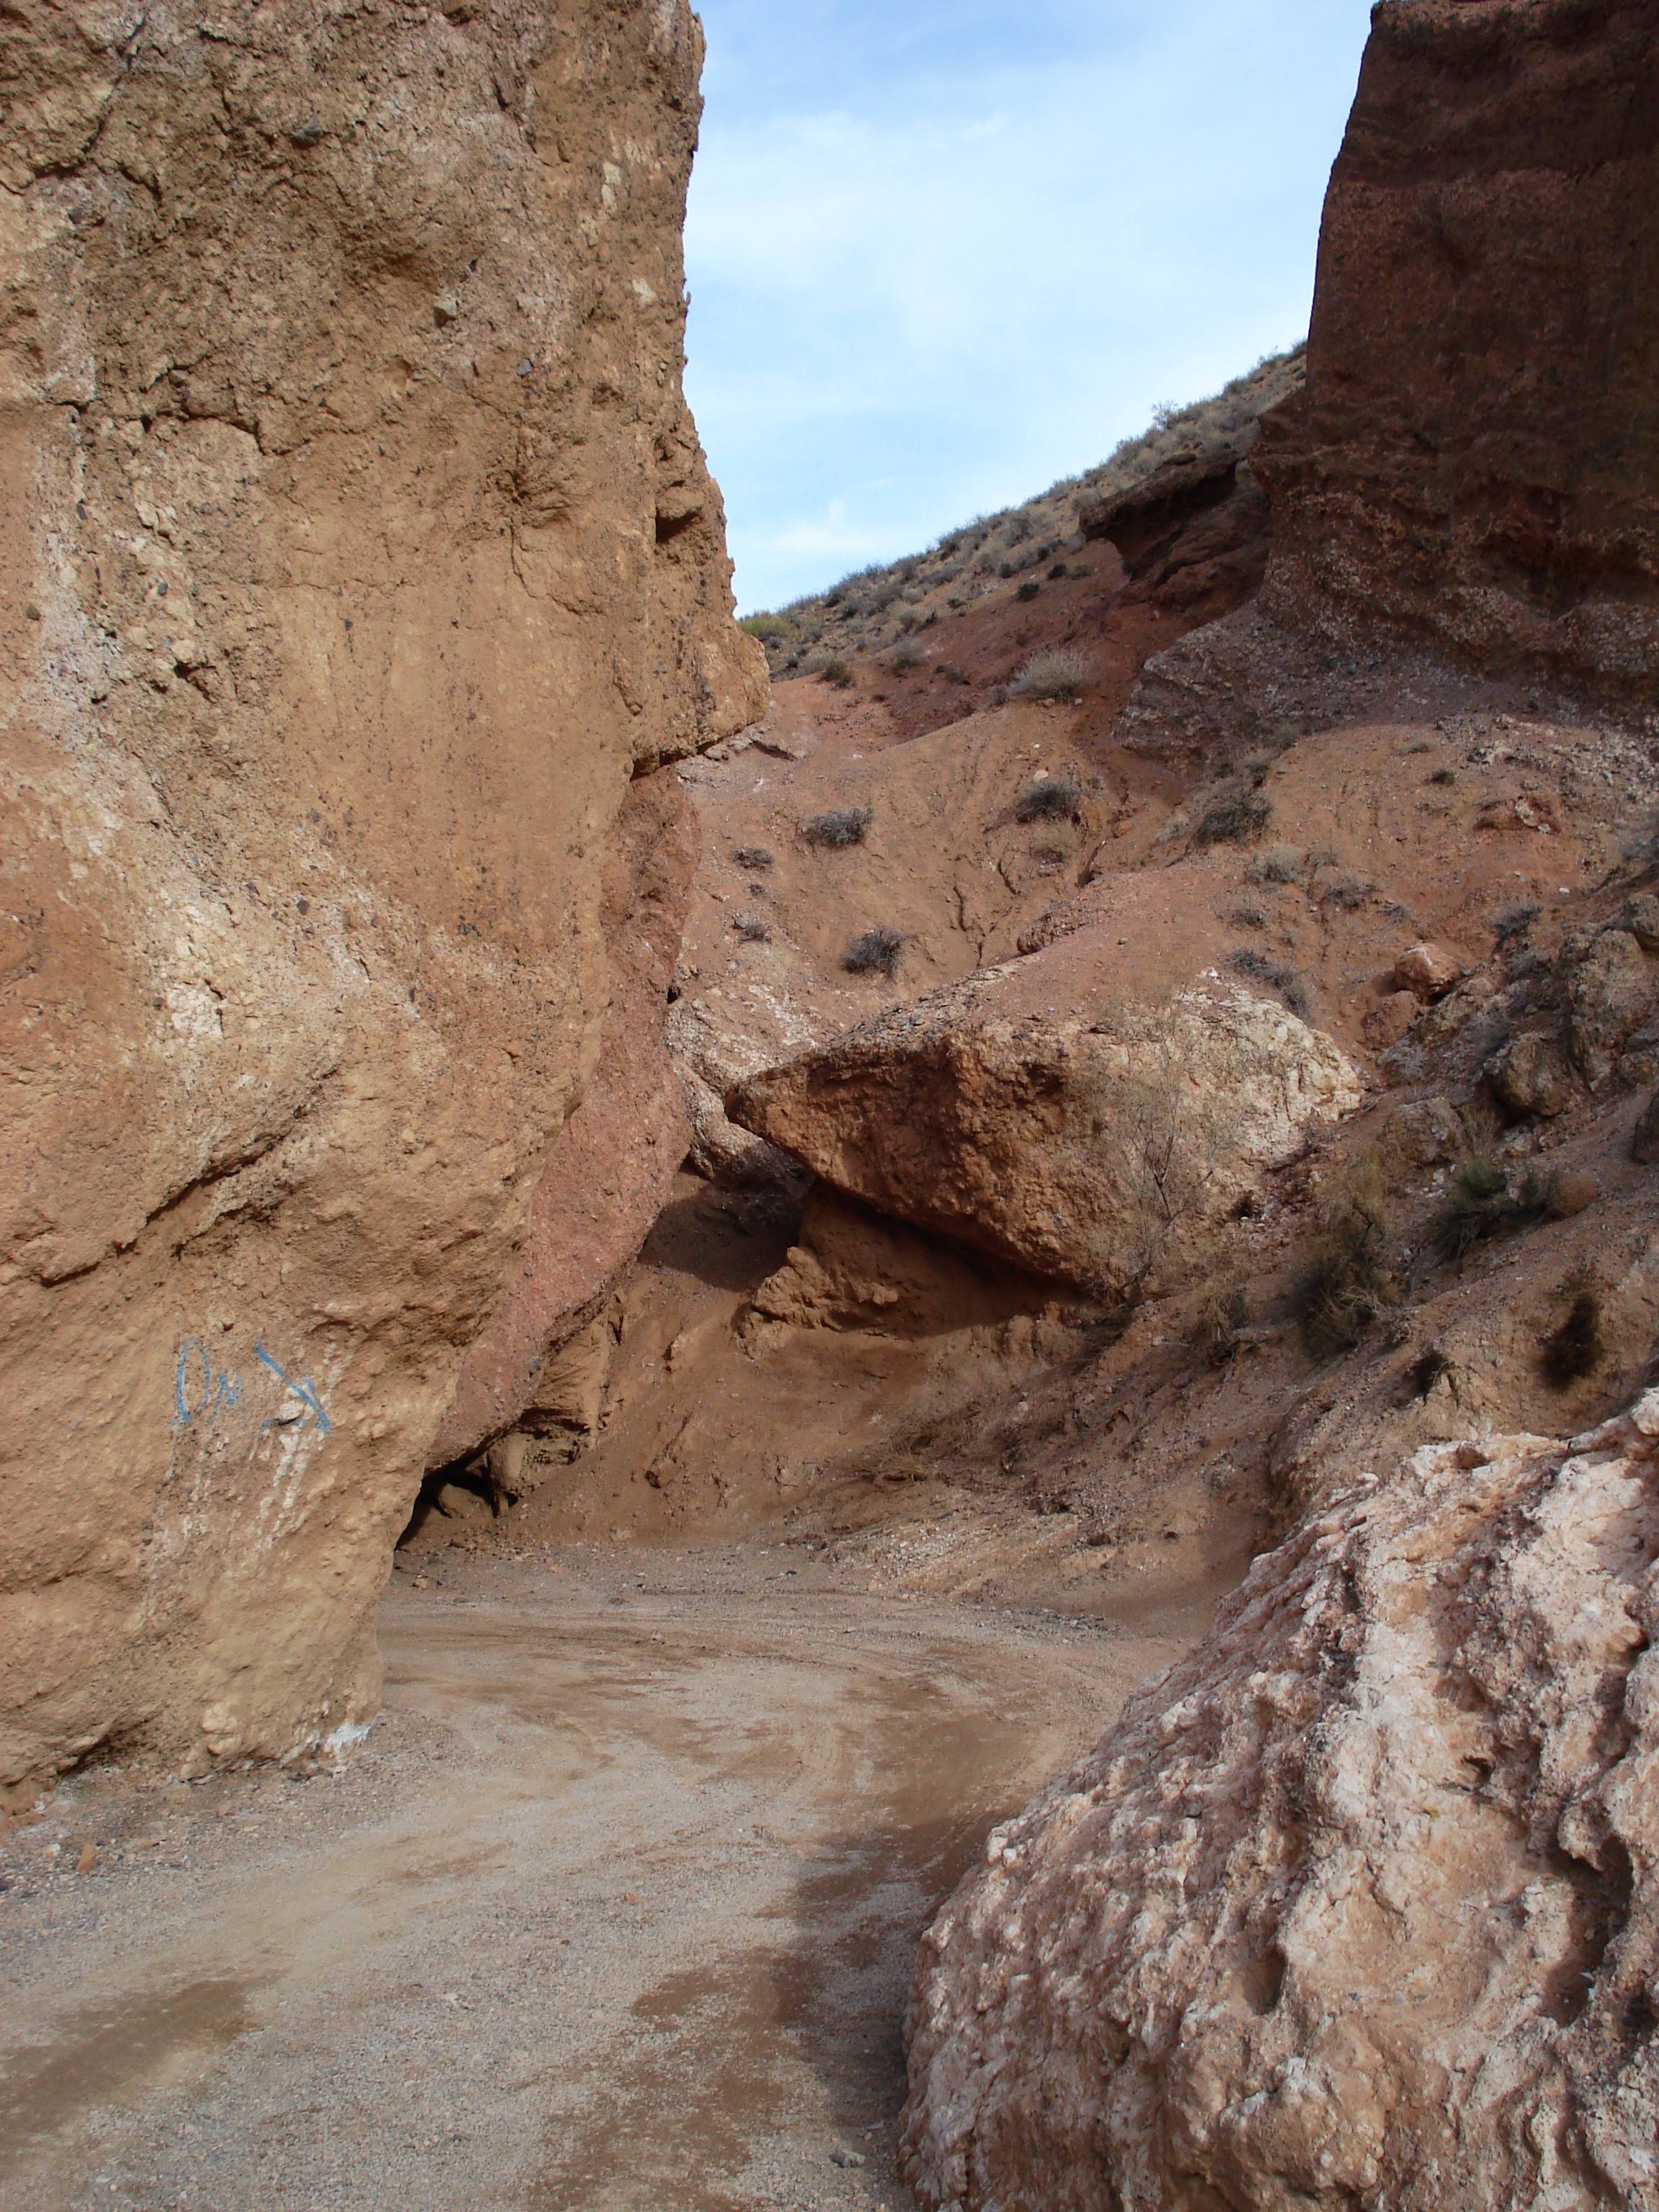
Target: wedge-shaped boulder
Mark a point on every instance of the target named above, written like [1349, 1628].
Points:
[1079, 1148]
[1355, 1905]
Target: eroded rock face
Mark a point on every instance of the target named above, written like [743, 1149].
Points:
[357, 552]
[1357, 1904]
[1074, 1149]
[1475, 457]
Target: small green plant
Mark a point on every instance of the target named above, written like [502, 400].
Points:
[1049, 799]
[875, 953]
[752, 856]
[1575, 1346]
[1060, 672]
[840, 826]
[1481, 1204]
[770, 629]
[1233, 817]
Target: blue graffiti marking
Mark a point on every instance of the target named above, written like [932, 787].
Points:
[218, 1389]
[305, 1390]
[200, 1390]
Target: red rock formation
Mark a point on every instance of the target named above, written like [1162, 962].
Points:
[1475, 457]
[356, 556]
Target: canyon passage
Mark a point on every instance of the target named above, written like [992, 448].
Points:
[851, 1410]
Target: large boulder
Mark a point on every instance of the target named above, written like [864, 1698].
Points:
[1475, 457]
[358, 554]
[1358, 1904]
[1077, 1148]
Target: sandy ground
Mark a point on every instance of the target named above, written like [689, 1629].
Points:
[615, 1906]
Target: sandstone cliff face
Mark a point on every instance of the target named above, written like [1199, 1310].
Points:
[1476, 454]
[357, 552]
[1357, 1904]
[1077, 1149]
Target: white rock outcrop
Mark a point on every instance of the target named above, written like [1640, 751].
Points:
[1357, 1905]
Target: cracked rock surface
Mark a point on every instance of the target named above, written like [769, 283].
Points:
[1356, 1904]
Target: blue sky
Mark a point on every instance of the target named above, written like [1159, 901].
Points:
[940, 257]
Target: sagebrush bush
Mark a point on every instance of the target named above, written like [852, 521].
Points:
[768, 629]
[842, 825]
[752, 856]
[1280, 864]
[837, 673]
[1514, 920]
[1028, 592]
[903, 658]
[1049, 799]
[1233, 817]
[1060, 672]
[875, 953]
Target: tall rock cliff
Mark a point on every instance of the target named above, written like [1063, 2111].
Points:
[358, 554]
[1475, 458]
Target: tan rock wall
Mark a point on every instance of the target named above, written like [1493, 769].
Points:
[356, 551]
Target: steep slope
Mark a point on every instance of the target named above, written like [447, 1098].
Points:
[357, 552]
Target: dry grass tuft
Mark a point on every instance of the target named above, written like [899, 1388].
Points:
[1058, 672]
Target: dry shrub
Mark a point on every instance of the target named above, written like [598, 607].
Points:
[1222, 1316]
[752, 929]
[1575, 1346]
[903, 658]
[837, 673]
[1514, 920]
[1058, 672]
[1049, 799]
[875, 953]
[1348, 1284]
[1290, 983]
[840, 826]
[1248, 917]
[1280, 864]
[752, 856]
[1233, 817]
[1481, 1204]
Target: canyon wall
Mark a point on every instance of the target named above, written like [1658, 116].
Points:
[1475, 459]
[356, 554]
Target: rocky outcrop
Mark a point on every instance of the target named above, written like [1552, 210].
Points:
[1357, 1904]
[1077, 1150]
[357, 555]
[1199, 522]
[1474, 460]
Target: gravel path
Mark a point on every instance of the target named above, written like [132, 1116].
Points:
[614, 1908]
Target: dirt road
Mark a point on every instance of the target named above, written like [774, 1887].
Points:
[614, 1909]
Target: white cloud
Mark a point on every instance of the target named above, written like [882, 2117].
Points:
[916, 298]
